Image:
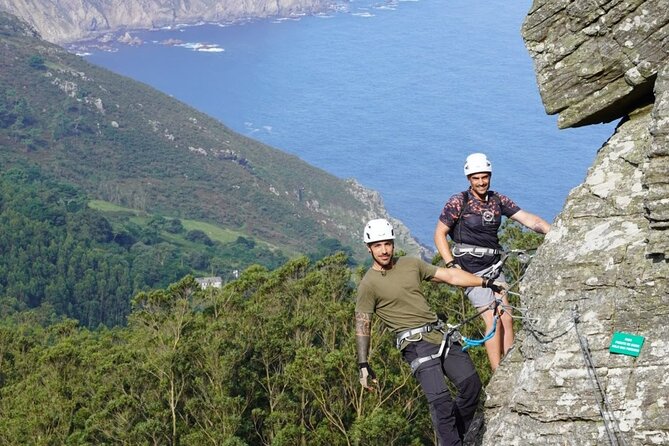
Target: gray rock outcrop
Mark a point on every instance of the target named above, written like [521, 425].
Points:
[596, 60]
[63, 21]
[604, 266]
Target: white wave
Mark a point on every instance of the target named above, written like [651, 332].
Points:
[341, 8]
[203, 47]
[287, 19]
[189, 25]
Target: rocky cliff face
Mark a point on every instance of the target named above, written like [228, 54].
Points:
[64, 21]
[604, 266]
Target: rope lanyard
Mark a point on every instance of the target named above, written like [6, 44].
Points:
[524, 257]
[453, 335]
[469, 342]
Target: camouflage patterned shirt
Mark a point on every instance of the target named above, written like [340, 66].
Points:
[476, 222]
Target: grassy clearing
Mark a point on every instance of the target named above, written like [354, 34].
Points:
[141, 218]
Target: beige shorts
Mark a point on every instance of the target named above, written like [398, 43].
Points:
[481, 297]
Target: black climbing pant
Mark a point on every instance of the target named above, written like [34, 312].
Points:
[451, 417]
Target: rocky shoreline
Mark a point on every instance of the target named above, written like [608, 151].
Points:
[72, 22]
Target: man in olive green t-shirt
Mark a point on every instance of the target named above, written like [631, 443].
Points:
[391, 289]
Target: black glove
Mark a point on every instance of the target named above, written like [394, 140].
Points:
[497, 287]
[366, 373]
[452, 264]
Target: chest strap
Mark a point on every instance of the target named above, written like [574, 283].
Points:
[427, 328]
[461, 249]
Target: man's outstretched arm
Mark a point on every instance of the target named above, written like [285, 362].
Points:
[531, 221]
[458, 277]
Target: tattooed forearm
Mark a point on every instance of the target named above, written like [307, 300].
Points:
[363, 324]
[363, 329]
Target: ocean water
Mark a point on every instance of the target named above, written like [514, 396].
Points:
[394, 94]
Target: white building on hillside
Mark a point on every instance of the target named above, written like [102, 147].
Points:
[206, 282]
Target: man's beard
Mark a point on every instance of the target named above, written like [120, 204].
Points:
[382, 264]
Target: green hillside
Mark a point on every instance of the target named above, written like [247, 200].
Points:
[85, 260]
[126, 144]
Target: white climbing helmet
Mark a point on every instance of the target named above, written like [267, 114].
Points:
[477, 163]
[377, 230]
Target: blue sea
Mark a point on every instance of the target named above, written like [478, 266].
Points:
[394, 94]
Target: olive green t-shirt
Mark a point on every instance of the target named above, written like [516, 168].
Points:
[395, 296]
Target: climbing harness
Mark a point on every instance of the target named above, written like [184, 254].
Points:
[461, 249]
[451, 335]
[418, 331]
[492, 272]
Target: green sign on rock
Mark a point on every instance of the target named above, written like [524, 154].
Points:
[626, 344]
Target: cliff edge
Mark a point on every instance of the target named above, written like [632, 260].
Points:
[604, 267]
[66, 21]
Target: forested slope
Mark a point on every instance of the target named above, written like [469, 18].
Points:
[269, 359]
[86, 264]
